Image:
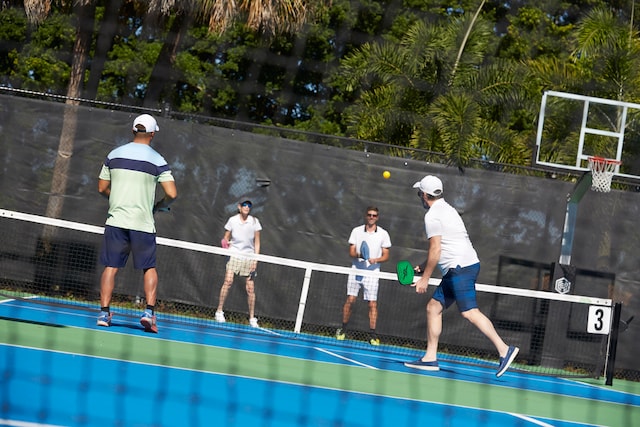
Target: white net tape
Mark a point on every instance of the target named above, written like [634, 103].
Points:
[602, 171]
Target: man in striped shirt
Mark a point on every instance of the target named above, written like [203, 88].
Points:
[128, 179]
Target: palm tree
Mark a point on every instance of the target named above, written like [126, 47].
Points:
[267, 17]
[610, 50]
[84, 10]
[436, 91]
[262, 15]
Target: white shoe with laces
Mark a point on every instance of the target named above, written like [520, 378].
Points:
[220, 317]
[253, 322]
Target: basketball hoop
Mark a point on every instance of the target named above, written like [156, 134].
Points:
[602, 171]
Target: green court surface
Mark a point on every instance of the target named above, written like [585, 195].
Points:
[61, 351]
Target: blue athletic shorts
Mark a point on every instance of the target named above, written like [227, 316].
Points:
[118, 243]
[458, 285]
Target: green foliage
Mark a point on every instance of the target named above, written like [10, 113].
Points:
[417, 73]
[127, 72]
[456, 118]
[44, 62]
[41, 72]
[13, 25]
[422, 93]
[56, 33]
[607, 50]
[13, 33]
[534, 33]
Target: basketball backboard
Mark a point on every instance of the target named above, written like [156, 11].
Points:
[572, 127]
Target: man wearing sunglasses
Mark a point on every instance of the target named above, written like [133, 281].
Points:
[377, 242]
[242, 234]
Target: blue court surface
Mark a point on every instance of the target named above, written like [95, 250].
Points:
[59, 369]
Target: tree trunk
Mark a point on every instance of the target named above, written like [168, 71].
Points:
[84, 31]
[106, 34]
[162, 73]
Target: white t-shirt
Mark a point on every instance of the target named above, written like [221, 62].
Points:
[375, 240]
[243, 233]
[456, 248]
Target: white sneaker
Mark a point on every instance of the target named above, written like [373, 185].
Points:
[253, 322]
[220, 316]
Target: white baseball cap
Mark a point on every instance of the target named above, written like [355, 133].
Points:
[149, 123]
[430, 185]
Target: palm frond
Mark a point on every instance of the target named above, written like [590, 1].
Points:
[456, 117]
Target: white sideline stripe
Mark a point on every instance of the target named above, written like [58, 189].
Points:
[14, 423]
[331, 353]
[542, 423]
[530, 420]
[506, 290]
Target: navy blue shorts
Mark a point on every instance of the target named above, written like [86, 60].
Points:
[118, 243]
[459, 285]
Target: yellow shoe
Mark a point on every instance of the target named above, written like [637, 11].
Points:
[374, 341]
[340, 334]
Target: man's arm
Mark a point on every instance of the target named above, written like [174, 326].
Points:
[170, 195]
[104, 187]
[383, 258]
[353, 253]
[432, 262]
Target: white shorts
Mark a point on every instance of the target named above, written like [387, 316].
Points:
[368, 283]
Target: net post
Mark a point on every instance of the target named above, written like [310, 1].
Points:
[304, 293]
[613, 344]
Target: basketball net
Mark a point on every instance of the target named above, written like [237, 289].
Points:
[602, 171]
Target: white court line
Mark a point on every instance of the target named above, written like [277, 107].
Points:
[530, 420]
[230, 333]
[542, 423]
[14, 423]
[437, 403]
[322, 350]
[331, 353]
[325, 351]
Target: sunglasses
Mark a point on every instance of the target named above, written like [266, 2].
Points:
[420, 193]
[372, 215]
[246, 204]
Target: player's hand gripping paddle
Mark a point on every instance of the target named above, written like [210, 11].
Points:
[405, 272]
[364, 251]
[364, 254]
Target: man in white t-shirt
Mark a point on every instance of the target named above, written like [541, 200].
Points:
[378, 243]
[242, 234]
[451, 250]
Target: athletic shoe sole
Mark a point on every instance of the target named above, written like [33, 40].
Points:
[104, 323]
[149, 324]
[424, 366]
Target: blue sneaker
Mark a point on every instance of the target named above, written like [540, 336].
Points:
[104, 319]
[506, 361]
[425, 366]
[148, 322]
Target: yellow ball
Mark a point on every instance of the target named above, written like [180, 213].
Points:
[386, 174]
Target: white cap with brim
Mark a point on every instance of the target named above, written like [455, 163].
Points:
[146, 120]
[430, 185]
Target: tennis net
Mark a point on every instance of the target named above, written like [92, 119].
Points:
[56, 262]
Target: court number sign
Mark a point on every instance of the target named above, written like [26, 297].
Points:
[599, 320]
